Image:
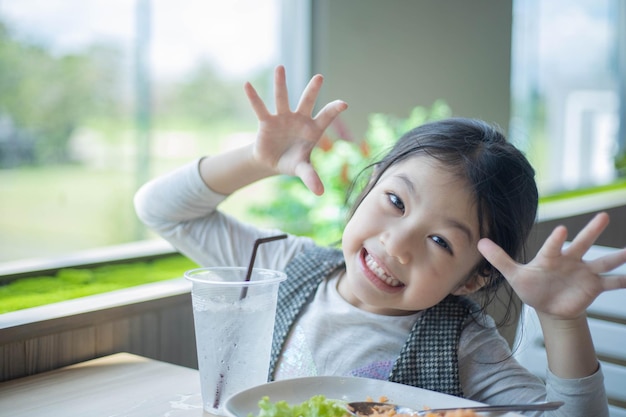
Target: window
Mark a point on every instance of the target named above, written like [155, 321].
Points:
[566, 89]
[97, 96]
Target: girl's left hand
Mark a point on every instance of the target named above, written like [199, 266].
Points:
[557, 282]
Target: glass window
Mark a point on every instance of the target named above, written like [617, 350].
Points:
[565, 90]
[98, 96]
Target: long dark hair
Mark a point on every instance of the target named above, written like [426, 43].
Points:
[501, 178]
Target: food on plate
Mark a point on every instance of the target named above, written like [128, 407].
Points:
[388, 411]
[320, 406]
[316, 406]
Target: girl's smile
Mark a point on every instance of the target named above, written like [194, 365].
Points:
[376, 273]
[408, 245]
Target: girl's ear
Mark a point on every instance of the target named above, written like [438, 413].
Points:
[471, 285]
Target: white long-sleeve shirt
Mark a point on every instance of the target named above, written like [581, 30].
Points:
[183, 210]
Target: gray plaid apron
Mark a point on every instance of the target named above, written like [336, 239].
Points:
[429, 357]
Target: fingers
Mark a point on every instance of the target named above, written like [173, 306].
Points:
[330, 112]
[553, 246]
[588, 235]
[257, 104]
[281, 94]
[609, 262]
[306, 104]
[497, 257]
[309, 95]
[611, 268]
[309, 177]
[613, 282]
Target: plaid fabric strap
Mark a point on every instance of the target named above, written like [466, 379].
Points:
[429, 357]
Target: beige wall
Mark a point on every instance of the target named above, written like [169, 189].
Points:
[389, 56]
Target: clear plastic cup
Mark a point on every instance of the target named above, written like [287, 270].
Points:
[234, 324]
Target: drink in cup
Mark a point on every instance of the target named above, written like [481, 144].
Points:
[234, 323]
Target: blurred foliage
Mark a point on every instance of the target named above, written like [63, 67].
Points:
[44, 98]
[69, 137]
[338, 160]
[203, 99]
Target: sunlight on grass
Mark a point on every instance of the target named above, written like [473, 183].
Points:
[72, 283]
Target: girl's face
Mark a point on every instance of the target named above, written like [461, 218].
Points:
[412, 241]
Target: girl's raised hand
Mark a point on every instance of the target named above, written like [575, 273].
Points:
[557, 282]
[286, 139]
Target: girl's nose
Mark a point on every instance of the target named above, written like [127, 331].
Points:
[397, 245]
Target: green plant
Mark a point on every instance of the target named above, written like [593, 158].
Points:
[338, 161]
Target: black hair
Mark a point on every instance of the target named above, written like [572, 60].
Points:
[500, 176]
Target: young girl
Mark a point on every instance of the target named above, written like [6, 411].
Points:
[444, 214]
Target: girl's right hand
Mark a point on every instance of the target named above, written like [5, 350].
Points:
[286, 139]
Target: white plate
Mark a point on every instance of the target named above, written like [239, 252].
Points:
[297, 390]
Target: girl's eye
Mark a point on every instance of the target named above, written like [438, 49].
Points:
[396, 201]
[441, 242]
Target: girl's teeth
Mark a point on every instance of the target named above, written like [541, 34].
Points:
[375, 268]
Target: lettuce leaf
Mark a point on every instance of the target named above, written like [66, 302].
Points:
[316, 406]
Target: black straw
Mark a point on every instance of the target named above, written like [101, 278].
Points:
[244, 290]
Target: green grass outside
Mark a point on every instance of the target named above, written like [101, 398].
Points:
[59, 210]
[72, 283]
[49, 211]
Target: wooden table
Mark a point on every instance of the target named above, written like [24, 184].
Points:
[114, 386]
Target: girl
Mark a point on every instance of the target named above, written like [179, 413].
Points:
[444, 214]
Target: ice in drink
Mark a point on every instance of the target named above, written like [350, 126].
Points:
[233, 330]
